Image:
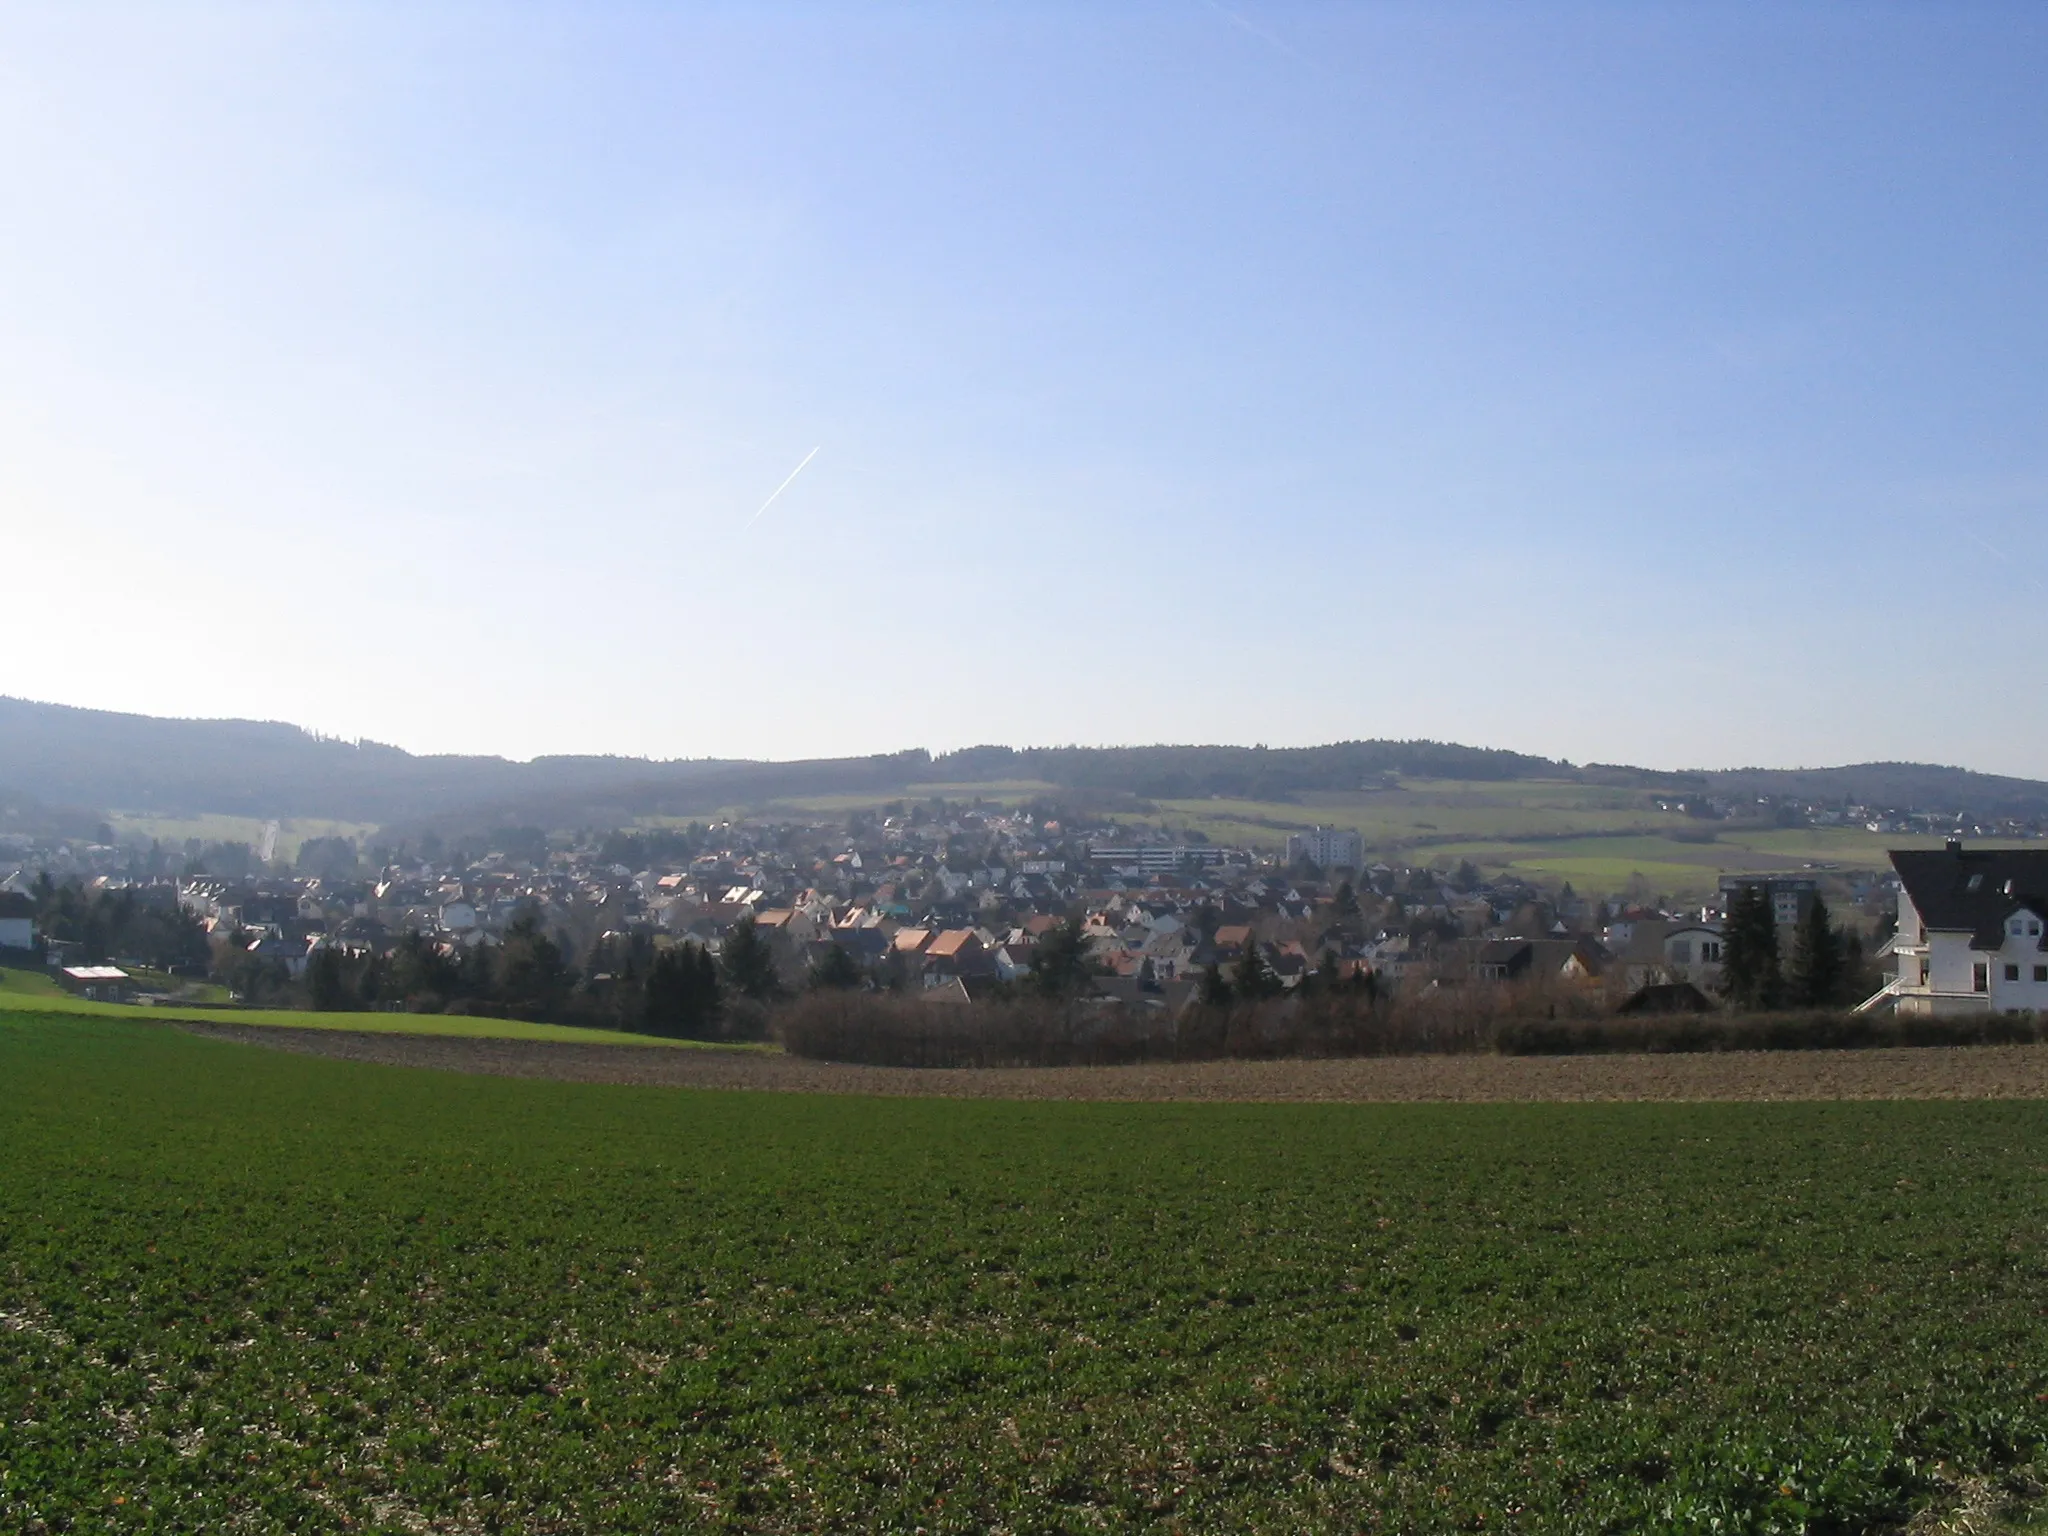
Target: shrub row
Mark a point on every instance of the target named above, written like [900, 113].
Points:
[880, 1029]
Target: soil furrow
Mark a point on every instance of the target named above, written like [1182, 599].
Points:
[1941, 1072]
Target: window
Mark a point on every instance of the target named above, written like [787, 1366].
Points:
[1980, 977]
[2018, 927]
[2041, 973]
[2012, 973]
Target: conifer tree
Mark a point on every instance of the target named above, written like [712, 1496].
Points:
[1060, 964]
[1255, 977]
[834, 970]
[1215, 990]
[682, 994]
[1750, 976]
[1816, 980]
[1740, 963]
[748, 962]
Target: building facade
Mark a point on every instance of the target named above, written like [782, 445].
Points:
[17, 921]
[1155, 858]
[1791, 896]
[1973, 930]
[1327, 848]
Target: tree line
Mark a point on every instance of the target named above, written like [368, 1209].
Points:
[1823, 970]
[624, 981]
[114, 925]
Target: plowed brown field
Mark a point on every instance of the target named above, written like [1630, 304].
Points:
[1969, 1072]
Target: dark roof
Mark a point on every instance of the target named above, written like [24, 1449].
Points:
[14, 904]
[1546, 957]
[1974, 890]
[861, 943]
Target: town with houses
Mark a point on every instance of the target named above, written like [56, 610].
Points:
[948, 902]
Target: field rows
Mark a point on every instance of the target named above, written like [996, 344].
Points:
[1969, 1072]
[249, 1288]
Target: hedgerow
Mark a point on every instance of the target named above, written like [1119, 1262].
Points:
[905, 1030]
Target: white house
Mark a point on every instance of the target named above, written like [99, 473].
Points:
[17, 921]
[1692, 952]
[1971, 930]
[1658, 950]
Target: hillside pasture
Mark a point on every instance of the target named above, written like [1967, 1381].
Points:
[1007, 792]
[174, 831]
[26, 986]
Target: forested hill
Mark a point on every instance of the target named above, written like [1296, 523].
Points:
[98, 760]
[103, 760]
[88, 757]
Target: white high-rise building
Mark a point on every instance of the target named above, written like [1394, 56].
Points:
[1327, 848]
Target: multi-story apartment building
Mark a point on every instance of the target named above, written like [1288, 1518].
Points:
[1791, 896]
[1155, 858]
[1327, 848]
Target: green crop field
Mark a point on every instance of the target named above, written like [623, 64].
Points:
[245, 1290]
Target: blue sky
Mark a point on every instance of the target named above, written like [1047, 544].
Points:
[1636, 383]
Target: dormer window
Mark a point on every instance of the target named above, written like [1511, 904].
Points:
[1975, 882]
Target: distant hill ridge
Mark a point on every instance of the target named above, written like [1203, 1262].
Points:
[67, 756]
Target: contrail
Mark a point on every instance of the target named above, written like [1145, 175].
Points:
[779, 490]
[2001, 554]
[1260, 33]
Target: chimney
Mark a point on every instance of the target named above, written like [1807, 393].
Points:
[1955, 845]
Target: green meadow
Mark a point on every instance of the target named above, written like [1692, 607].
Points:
[21, 986]
[247, 1290]
[292, 832]
[20, 994]
[1600, 839]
